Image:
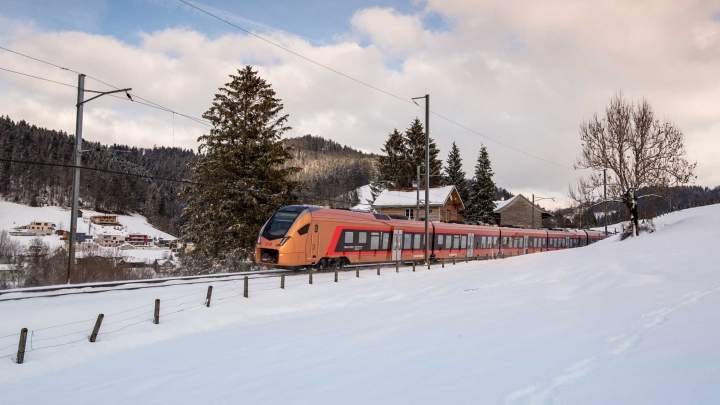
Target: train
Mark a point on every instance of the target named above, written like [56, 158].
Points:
[308, 236]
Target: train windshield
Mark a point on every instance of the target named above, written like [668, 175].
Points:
[281, 222]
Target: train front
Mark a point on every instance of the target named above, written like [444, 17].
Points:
[281, 242]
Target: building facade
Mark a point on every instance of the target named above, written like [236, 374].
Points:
[518, 212]
[445, 204]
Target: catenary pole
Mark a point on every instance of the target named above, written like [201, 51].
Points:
[427, 175]
[417, 194]
[605, 199]
[76, 175]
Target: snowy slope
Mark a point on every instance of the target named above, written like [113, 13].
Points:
[13, 215]
[633, 322]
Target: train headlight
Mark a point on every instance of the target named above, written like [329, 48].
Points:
[284, 240]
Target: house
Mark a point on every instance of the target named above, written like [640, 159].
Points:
[110, 238]
[518, 211]
[445, 204]
[40, 228]
[111, 220]
[138, 239]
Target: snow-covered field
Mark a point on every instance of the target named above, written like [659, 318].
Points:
[13, 215]
[632, 322]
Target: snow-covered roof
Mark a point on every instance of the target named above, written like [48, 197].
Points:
[499, 205]
[502, 203]
[396, 198]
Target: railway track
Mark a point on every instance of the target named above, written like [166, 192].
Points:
[129, 285]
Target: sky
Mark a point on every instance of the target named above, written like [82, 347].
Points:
[517, 76]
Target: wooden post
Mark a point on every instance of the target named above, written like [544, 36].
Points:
[336, 275]
[156, 314]
[96, 328]
[208, 296]
[282, 281]
[310, 276]
[21, 346]
[397, 267]
[442, 262]
[466, 259]
[453, 261]
[428, 264]
[378, 270]
[413, 265]
[245, 287]
[357, 273]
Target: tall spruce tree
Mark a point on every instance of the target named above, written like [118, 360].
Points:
[240, 177]
[415, 140]
[393, 164]
[454, 174]
[481, 205]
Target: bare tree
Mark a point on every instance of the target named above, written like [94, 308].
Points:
[637, 150]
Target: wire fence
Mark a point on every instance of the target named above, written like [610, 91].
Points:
[77, 332]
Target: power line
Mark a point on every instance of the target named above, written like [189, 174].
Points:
[146, 176]
[145, 101]
[364, 83]
[38, 77]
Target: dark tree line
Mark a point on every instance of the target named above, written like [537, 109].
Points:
[46, 185]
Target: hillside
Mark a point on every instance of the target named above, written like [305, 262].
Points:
[327, 170]
[616, 322]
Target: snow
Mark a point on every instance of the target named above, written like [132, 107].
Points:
[631, 322]
[395, 198]
[365, 199]
[501, 203]
[13, 215]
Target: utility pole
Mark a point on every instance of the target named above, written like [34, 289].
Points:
[427, 172]
[417, 194]
[76, 175]
[78, 162]
[532, 220]
[605, 199]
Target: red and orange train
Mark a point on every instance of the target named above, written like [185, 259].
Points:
[299, 236]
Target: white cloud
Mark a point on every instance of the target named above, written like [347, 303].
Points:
[525, 73]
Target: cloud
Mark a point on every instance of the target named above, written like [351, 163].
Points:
[522, 73]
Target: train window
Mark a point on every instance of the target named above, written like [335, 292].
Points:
[304, 229]
[439, 241]
[385, 240]
[374, 240]
[416, 244]
[463, 242]
[407, 242]
[362, 238]
[349, 238]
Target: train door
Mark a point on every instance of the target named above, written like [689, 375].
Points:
[470, 245]
[525, 244]
[397, 242]
[312, 244]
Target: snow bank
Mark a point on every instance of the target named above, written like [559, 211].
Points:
[617, 322]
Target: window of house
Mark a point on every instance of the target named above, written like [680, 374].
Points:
[410, 213]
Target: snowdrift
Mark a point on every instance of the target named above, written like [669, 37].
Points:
[630, 322]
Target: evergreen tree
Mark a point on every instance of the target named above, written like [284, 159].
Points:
[393, 164]
[481, 204]
[415, 140]
[240, 177]
[454, 174]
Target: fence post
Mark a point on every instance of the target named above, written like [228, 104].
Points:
[156, 314]
[282, 281]
[336, 275]
[378, 270]
[208, 297]
[428, 264]
[453, 261]
[357, 273]
[413, 265]
[245, 287]
[21, 346]
[397, 267]
[96, 328]
[310, 272]
[442, 263]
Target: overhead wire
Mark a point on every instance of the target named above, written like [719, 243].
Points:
[364, 83]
